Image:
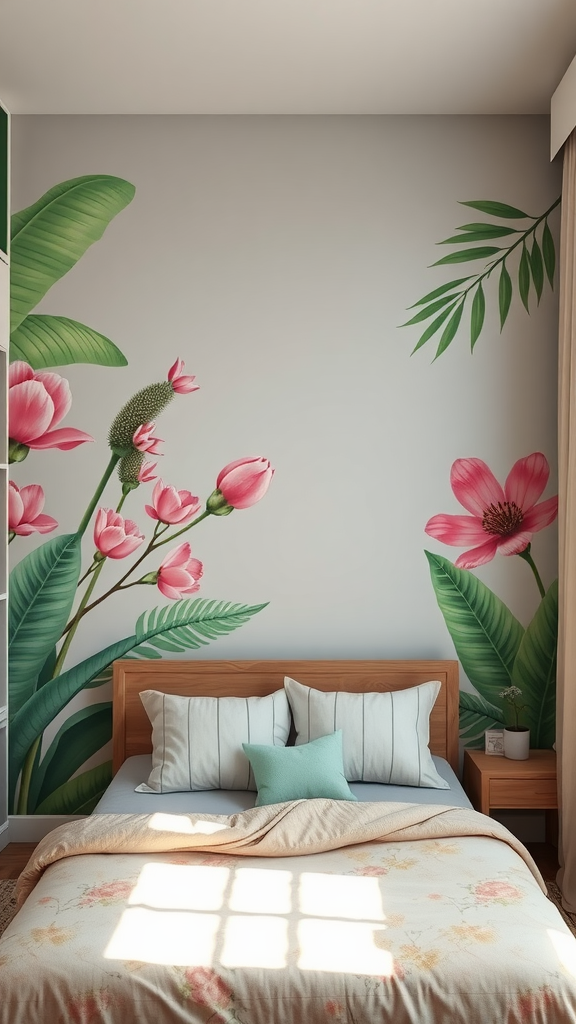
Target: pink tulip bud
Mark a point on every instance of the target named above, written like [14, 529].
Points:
[146, 472]
[172, 506]
[114, 536]
[240, 484]
[37, 403]
[24, 510]
[144, 441]
[181, 382]
[179, 573]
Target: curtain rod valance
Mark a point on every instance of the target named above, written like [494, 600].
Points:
[563, 110]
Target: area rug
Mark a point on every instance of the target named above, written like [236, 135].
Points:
[7, 902]
[555, 895]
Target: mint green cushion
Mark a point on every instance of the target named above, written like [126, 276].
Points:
[311, 770]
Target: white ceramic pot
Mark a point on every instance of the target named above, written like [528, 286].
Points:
[517, 744]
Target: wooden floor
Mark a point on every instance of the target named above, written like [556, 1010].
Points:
[15, 856]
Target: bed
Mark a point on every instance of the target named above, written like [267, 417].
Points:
[311, 910]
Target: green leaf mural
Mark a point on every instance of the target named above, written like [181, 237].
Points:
[81, 736]
[534, 671]
[533, 244]
[477, 715]
[80, 794]
[49, 237]
[45, 341]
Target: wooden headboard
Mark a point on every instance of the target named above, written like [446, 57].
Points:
[132, 732]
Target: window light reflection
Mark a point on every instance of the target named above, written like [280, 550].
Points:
[565, 947]
[180, 887]
[180, 823]
[255, 942]
[342, 947]
[176, 937]
[261, 891]
[353, 897]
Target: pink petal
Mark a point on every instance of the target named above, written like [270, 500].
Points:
[541, 515]
[515, 543]
[151, 512]
[111, 537]
[33, 498]
[167, 502]
[59, 390]
[195, 568]
[179, 556]
[100, 522]
[176, 369]
[167, 590]
[31, 411]
[233, 465]
[477, 556]
[15, 507]
[23, 529]
[44, 523]
[456, 530]
[131, 529]
[177, 577]
[18, 372]
[475, 485]
[64, 438]
[128, 545]
[527, 480]
[184, 385]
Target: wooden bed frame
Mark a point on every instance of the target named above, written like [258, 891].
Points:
[132, 732]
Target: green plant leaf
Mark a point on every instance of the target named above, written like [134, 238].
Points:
[477, 316]
[478, 233]
[496, 209]
[549, 253]
[449, 331]
[484, 631]
[188, 624]
[524, 277]
[429, 310]
[103, 677]
[440, 291]
[537, 268]
[80, 737]
[42, 590]
[477, 715]
[50, 236]
[45, 341]
[504, 294]
[433, 327]
[481, 252]
[80, 794]
[535, 671]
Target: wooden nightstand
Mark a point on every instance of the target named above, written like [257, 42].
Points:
[499, 783]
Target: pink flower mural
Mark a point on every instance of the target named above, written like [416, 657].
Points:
[144, 440]
[37, 404]
[146, 472]
[114, 536]
[244, 482]
[181, 382]
[179, 573]
[501, 519]
[170, 506]
[25, 514]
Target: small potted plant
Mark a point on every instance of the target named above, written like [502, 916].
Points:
[516, 737]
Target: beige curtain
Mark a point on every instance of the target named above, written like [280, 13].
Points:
[566, 691]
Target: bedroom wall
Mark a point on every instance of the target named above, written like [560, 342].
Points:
[277, 257]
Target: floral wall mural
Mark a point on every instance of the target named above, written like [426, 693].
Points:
[51, 590]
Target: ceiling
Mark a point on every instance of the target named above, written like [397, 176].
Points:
[284, 56]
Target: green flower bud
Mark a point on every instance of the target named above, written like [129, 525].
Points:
[143, 407]
[150, 577]
[129, 468]
[217, 504]
[17, 452]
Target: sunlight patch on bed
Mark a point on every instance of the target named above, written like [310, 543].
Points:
[180, 823]
[172, 937]
[565, 946]
[180, 887]
[261, 891]
[342, 947]
[255, 942]
[343, 896]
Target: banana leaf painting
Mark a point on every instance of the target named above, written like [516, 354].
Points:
[51, 590]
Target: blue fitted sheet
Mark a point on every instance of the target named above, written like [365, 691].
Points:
[120, 797]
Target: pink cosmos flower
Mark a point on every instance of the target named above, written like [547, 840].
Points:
[114, 536]
[172, 506]
[144, 441]
[24, 510]
[38, 401]
[501, 519]
[245, 481]
[146, 473]
[182, 383]
[179, 573]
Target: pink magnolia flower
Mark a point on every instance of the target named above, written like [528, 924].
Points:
[24, 510]
[146, 472]
[172, 506]
[37, 403]
[182, 383]
[245, 481]
[501, 519]
[114, 536]
[179, 573]
[144, 441]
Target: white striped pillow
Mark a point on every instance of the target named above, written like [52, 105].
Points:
[384, 735]
[197, 741]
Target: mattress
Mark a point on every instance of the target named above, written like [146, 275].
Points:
[120, 797]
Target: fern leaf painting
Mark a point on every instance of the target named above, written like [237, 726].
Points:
[524, 253]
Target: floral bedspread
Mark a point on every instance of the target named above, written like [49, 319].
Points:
[420, 931]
